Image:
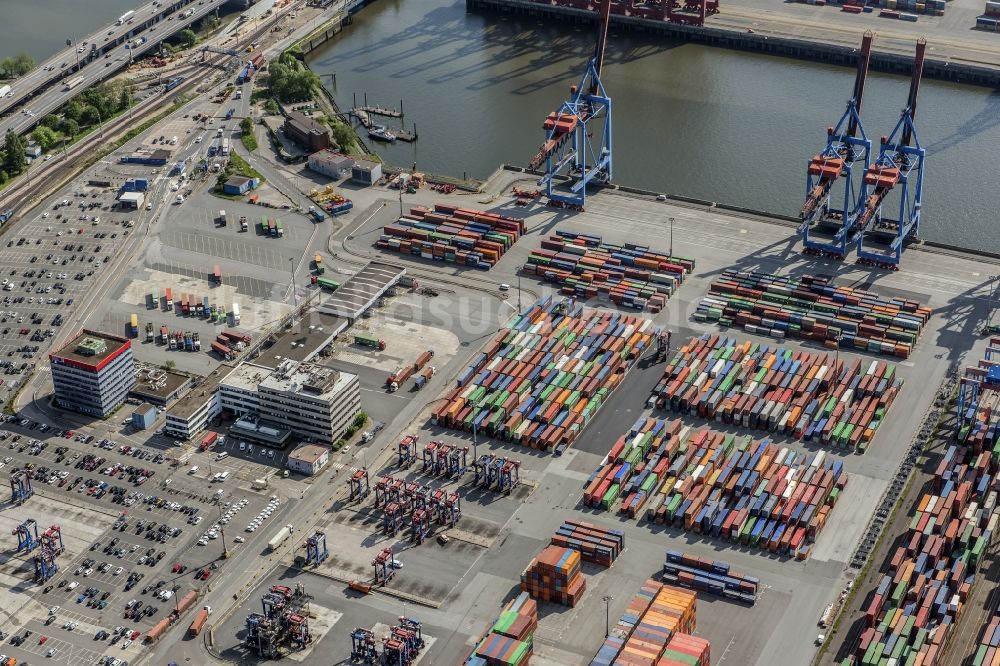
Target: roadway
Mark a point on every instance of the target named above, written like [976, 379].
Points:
[96, 58]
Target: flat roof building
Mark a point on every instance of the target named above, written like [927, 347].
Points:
[93, 373]
[192, 412]
[315, 402]
[366, 172]
[144, 416]
[133, 200]
[308, 458]
[306, 132]
[361, 291]
[331, 164]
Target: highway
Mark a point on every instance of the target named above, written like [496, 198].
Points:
[97, 58]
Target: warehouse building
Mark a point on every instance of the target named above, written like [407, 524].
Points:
[308, 459]
[93, 373]
[306, 132]
[238, 185]
[366, 173]
[331, 164]
[132, 200]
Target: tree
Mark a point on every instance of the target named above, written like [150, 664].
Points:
[45, 137]
[19, 65]
[73, 110]
[69, 127]
[271, 106]
[342, 134]
[14, 159]
[90, 116]
[188, 38]
[246, 125]
[170, 365]
[290, 81]
[125, 98]
[51, 121]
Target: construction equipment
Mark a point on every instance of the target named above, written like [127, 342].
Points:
[985, 376]
[662, 345]
[898, 169]
[45, 565]
[363, 646]
[828, 226]
[283, 622]
[419, 525]
[359, 484]
[390, 518]
[20, 486]
[383, 571]
[27, 535]
[316, 550]
[52, 540]
[408, 450]
[578, 134]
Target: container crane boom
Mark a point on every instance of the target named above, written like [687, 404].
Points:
[577, 145]
[828, 229]
[899, 168]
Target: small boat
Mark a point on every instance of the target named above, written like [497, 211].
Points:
[381, 133]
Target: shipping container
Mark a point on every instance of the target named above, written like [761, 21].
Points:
[198, 622]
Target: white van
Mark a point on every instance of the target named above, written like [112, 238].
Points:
[223, 476]
[222, 455]
[193, 469]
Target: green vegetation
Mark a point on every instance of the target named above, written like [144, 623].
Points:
[359, 422]
[14, 160]
[18, 65]
[291, 81]
[237, 166]
[247, 135]
[188, 38]
[342, 134]
[271, 106]
[170, 365]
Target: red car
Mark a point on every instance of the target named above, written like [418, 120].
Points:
[68, 434]
[42, 639]
[204, 574]
[135, 635]
[176, 568]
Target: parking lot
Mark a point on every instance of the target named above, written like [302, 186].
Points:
[135, 524]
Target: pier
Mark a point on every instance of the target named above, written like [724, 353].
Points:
[364, 117]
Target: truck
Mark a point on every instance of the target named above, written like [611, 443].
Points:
[158, 630]
[164, 334]
[178, 169]
[170, 298]
[187, 14]
[222, 218]
[185, 306]
[188, 342]
[134, 328]
[187, 600]
[198, 622]
[179, 339]
[196, 340]
[205, 307]
[199, 308]
[272, 228]
[207, 441]
[171, 341]
[279, 538]
[259, 484]
[74, 82]
[226, 146]
[243, 224]
[422, 360]
[222, 350]
[125, 17]
[4, 91]
[396, 378]
[236, 340]
[279, 228]
[150, 336]
[421, 380]
[408, 282]
[369, 341]
[327, 283]
[317, 214]
[236, 314]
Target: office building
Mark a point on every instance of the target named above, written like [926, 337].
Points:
[308, 459]
[93, 373]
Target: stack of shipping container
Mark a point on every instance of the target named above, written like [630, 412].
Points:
[542, 378]
[733, 488]
[453, 235]
[811, 308]
[509, 640]
[928, 576]
[597, 545]
[988, 650]
[554, 575]
[709, 576]
[629, 275]
[644, 636]
[809, 396]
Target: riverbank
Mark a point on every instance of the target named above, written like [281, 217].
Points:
[806, 32]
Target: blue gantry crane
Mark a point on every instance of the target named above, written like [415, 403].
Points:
[899, 169]
[316, 550]
[578, 134]
[20, 486]
[27, 535]
[828, 220]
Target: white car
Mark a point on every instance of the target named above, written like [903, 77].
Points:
[202, 542]
[118, 571]
[239, 539]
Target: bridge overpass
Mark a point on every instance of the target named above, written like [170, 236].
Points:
[98, 58]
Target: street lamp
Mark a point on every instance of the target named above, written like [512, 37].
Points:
[671, 252]
[607, 614]
[222, 530]
[989, 301]
[475, 444]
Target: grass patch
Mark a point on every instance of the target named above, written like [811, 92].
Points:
[249, 141]
[242, 167]
[236, 166]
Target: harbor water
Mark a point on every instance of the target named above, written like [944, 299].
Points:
[703, 122]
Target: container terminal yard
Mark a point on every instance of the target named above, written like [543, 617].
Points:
[553, 421]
